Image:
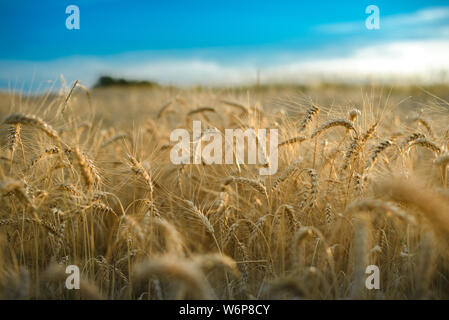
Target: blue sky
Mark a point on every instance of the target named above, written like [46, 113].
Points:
[190, 41]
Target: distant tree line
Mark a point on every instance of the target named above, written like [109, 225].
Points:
[107, 81]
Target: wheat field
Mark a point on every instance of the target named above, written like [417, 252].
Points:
[86, 180]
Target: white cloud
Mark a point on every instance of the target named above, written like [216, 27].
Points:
[419, 60]
[422, 16]
[405, 59]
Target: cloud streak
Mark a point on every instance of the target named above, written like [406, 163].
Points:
[420, 60]
[423, 18]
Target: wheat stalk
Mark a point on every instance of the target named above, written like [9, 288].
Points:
[334, 123]
[32, 121]
[188, 273]
[442, 161]
[426, 143]
[138, 169]
[293, 140]
[88, 169]
[376, 152]
[257, 185]
[310, 113]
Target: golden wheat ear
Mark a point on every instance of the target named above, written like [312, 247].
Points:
[310, 114]
[334, 123]
[32, 121]
[88, 169]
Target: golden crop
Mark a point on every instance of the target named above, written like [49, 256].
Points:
[88, 181]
